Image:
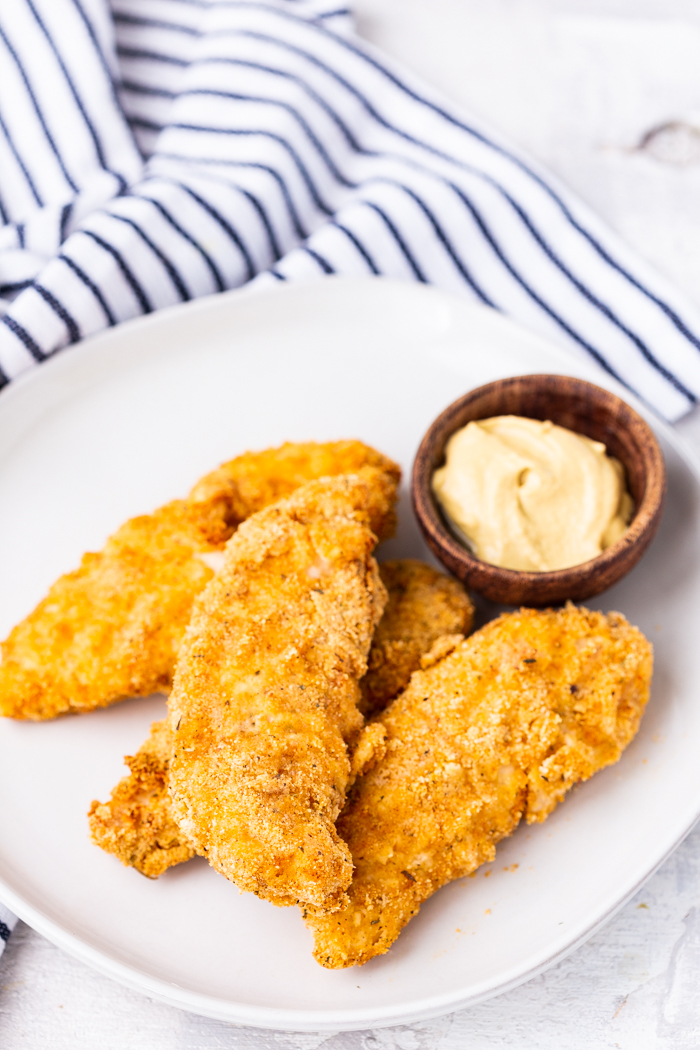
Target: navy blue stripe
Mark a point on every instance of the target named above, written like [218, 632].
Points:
[406, 251]
[307, 88]
[138, 52]
[502, 151]
[69, 80]
[128, 275]
[37, 110]
[147, 125]
[146, 89]
[169, 218]
[332, 14]
[121, 18]
[63, 224]
[481, 175]
[364, 102]
[317, 25]
[275, 250]
[74, 333]
[524, 167]
[340, 124]
[5, 930]
[98, 49]
[175, 277]
[4, 380]
[484, 230]
[226, 226]
[323, 263]
[583, 290]
[274, 246]
[19, 230]
[9, 287]
[276, 275]
[89, 283]
[293, 213]
[279, 103]
[327, 209]
[478, 218]
[24, 337]
[359, 245]
[446, 243]
[345, 130]
[4, 216]
[675, 319]
[20, 162]
[595, 301]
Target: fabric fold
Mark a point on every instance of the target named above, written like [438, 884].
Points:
[8, 921]
[198, 144]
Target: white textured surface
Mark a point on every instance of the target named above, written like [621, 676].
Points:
[635, 986]
[578, 83]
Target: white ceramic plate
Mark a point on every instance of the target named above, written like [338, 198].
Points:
[129, 420]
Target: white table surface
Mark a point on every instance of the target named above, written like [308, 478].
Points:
[579, 84]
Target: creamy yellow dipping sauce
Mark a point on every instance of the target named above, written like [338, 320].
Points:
[529, 495]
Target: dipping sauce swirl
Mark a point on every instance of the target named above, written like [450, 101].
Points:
[530, 495]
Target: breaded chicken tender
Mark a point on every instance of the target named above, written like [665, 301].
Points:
[136, 824]
[113, 628]
[501, 728]
[423, 606]
[266, 692]
[255, 480]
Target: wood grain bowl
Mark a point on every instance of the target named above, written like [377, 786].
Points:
[584, 408]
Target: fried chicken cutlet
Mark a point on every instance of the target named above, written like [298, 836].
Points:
[501, 728]
[423, 605]
[265, 697]
[112, 628]
[136, 824]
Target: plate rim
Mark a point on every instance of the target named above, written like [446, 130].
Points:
[284, 1019]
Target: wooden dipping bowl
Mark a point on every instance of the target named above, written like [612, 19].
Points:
[585, 409]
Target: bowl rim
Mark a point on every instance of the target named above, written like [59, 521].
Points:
[642, 527]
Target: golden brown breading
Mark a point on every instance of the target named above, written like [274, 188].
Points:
[113, 628]
[503, 727]
[255, 480]
[264, 702]
[423, 605]
[136, 825]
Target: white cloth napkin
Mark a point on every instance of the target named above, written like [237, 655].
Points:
[168, 149]
[8, 921]
[158, 150]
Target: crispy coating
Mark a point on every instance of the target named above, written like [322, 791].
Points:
[256, 480]
[423, 605]
[265, 697]
[113, 628]
[503, 727]
[136, 824]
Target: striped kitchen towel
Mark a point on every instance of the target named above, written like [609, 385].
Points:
[158, 150]
[7, 924]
